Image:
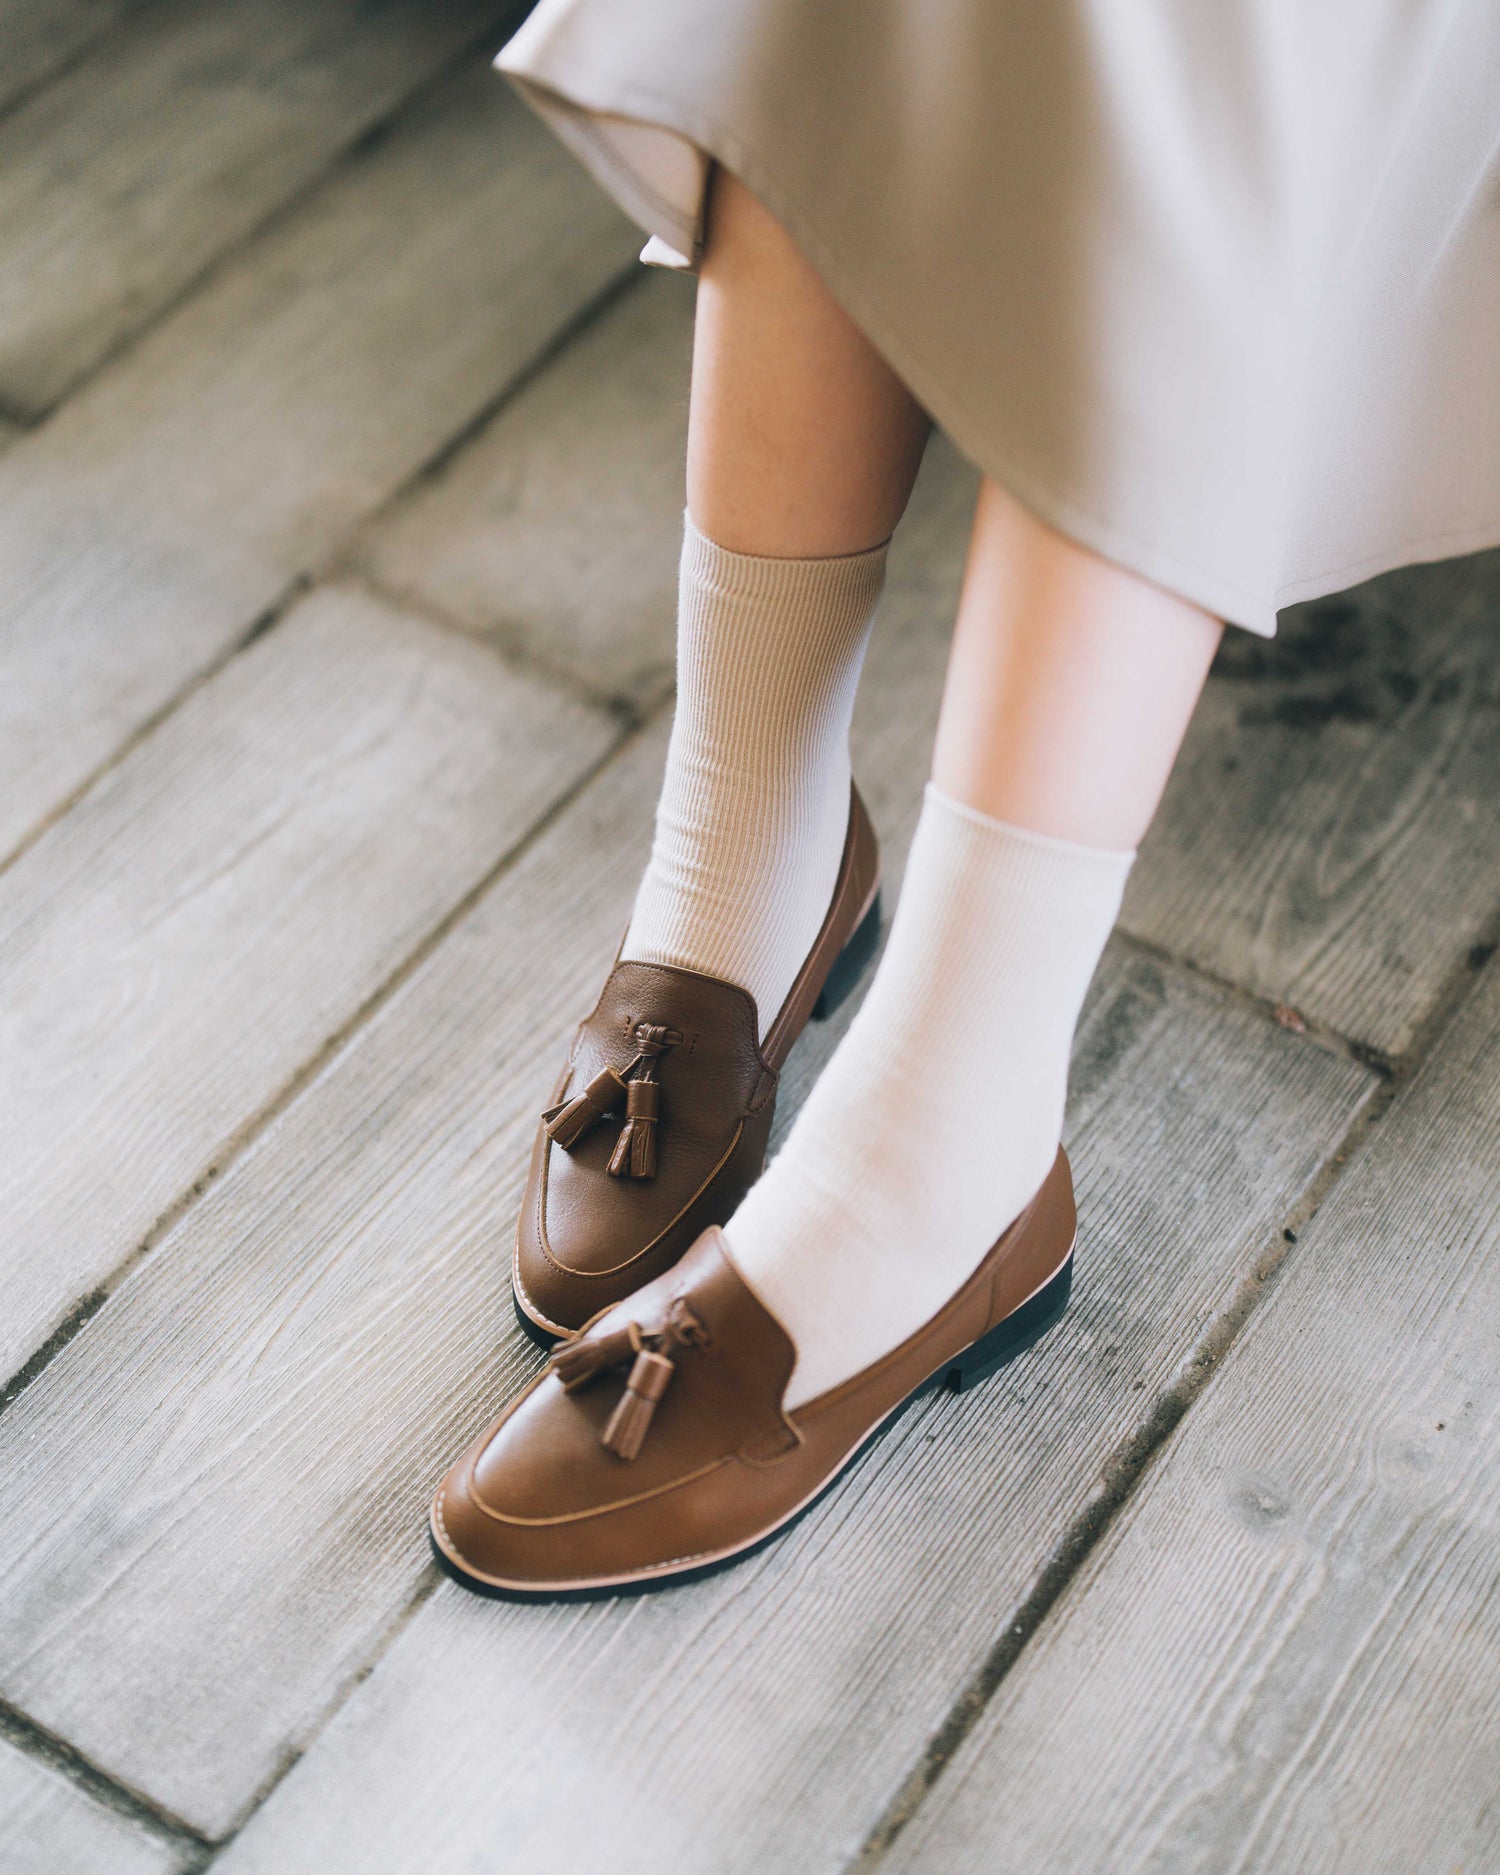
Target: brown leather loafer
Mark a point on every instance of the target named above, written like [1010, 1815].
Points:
[659, 1123]
[655, 1446]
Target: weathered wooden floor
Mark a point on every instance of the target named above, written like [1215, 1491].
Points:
[339, 504]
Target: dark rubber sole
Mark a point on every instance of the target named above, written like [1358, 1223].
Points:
[849, 966]
[1003, 1344]
[1018, 1332]
[534, 1331]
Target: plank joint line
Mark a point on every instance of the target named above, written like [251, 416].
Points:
[37, 1743]
[369, 137]
[265, 621]
[255, 1124]
[1137, 1453]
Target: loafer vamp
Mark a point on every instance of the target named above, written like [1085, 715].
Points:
[715, 1088]
[675, 1528]
[548, 1501]
[540, 1500]
[586, 1237]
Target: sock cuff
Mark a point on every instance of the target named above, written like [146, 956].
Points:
[1108, 861]
[852, 578]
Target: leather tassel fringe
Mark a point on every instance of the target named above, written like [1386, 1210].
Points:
[629, 1423]
[634, 1155]
[650, 1352]
[566, 1124]
[576, 1363]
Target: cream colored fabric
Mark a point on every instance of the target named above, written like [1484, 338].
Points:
[1213, 287]
[754, 807]
[939, 1114]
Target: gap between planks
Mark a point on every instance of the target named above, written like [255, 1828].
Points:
[79, 42]
[1137, 1455]
[43, 1747]
[629, 712]
[256, 1123]
[515, 648]
[305, 582]
[499, 26]
[1144, 1442]
[266, 621]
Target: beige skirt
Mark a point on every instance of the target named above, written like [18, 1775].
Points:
[1212, 285]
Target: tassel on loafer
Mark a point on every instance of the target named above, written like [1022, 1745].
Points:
[659, 1124]
[655, 1447]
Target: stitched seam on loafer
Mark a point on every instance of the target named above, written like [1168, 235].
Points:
[554, 1328]
[599, 1510]
[565, 1269]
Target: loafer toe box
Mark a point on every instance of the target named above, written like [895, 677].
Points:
[541, 1504]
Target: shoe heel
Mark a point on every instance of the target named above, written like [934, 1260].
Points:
[849, 965]
[1015, 1334]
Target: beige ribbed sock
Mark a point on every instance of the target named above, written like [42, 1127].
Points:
[939, 1114]
[754, 807]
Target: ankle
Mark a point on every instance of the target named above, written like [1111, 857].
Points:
[938, 1117]
[755, 802]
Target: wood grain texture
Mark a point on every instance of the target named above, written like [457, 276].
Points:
[817, 1671]
[557, 529]
[122, 180]
[760, 1720]
[1330, 838]
[38, 37]
[328, 1315]
[183, 941]
[284, 1378]
[287, 1373]
[49, 1827]
[1285, 1660]
[148, 524]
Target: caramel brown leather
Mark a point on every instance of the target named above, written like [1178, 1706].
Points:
[585, 1238]
[540, 1506]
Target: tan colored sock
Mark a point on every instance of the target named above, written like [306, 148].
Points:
[938, 1116]
[754, 806]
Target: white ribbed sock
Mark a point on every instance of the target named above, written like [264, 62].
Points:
[754, 808]
[939, 1114]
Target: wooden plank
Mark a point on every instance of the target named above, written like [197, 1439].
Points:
[49, 1827]
[196, 1687]
[1286, 1657]
[38, 37]
[182, 942]
[281, 1381]
[148, 524]
[123, 179]
[1330, 838]
[556, 531]
[284, 1378]
[759, 1721]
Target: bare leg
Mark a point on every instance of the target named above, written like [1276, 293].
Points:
[802, 449]
[1069, 686]
[802, 441]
